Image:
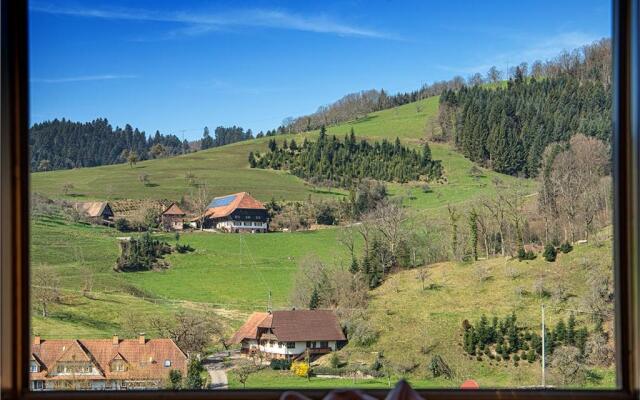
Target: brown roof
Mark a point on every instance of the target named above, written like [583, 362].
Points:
[93, 208]
[173, 209]
[223, 206]
[293, 325]
[144, 361]
[250, 328]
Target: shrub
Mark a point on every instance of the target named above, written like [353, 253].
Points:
[531, 356]
[550, 253]
[439, 367]
[122, 225]
[525, 255]
[334, 361]
[479, 358]
[282, 365]
[516, 358]
[184, 248]
[300, 369]
[566, 247]
[361, 333]
[141, 254]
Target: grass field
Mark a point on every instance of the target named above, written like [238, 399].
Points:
[408, 318]
[225, 170]
[232, 275]
[226, 272]
[269, 379]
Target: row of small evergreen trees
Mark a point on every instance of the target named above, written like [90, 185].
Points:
[331, 161]
[504, 337]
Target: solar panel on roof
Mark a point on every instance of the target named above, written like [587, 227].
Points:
[222, 201]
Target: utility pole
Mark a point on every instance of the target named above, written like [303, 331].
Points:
[543, 345]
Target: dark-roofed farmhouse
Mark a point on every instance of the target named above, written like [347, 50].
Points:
[237, 212]
[290, 334]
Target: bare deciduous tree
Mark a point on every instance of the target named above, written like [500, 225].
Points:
[191, 331]
[494, 75]
[243, 371]
[422, 275]
[566, 361]
[45, 287]
[199, 202]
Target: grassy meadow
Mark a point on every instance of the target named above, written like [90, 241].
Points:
[232, 275]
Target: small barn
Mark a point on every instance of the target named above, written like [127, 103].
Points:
[96, 211]
[172, 218]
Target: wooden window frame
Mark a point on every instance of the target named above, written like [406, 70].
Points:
[14, 228]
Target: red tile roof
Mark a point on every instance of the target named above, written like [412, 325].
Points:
[293, 326]
[250, 328]
[241, 200]
[173, 209]
[144, 360]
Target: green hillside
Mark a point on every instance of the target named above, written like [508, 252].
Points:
[225, 169]
[409, 320]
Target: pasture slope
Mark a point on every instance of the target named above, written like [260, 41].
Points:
[231, 275]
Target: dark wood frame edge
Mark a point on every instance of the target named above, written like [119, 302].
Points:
[14, 225]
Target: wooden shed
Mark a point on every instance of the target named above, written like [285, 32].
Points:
[173, 218]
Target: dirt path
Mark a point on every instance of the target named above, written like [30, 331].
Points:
[218, 377]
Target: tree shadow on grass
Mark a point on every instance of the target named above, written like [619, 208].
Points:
[65, 316]
[327, 191]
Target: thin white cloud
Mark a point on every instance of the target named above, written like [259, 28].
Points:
[196, 23]
[82, 78]
[543, 49]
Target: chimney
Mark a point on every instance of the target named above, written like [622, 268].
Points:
[141, 339]
[115, 341]
[36, 340]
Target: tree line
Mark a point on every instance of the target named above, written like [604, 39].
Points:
[224, 136]
[509, 128]
[331, 161]
[590, 62]
[63, 144]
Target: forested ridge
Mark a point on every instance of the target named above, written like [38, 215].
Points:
[509, 128]
[63, 144]
[331, 161]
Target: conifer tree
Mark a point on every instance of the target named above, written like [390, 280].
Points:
[315, 299]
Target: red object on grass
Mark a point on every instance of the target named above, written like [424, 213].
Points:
[469, 384]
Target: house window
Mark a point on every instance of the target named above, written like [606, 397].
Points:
[38, 385]
[167, 363]
[33, 367]
[118, 366]
[324, 345]
[291, 345]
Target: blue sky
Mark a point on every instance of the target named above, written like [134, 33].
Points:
[178, 66]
